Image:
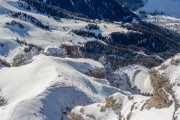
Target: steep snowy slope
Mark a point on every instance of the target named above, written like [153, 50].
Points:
[163, 105]
[48, 87]
[138, 76]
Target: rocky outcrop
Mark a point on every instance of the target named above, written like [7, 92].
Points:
[72, 51]
[113, 103]
[21, 59]
[4, 63]
[97, 73]
[162, 90]
[74, 116]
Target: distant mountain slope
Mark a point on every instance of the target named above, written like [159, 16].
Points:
[169, 7]
[132, 4]
[94, 9]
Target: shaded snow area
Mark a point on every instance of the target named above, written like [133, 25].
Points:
[138, 77]
[169, 7]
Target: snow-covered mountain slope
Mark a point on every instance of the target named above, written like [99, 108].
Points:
[163, 105]
[59, 31]
[169, 7]
[49, 87]
[46, 70]
[138, 76]
[23, 22]
[23, 29]
[57, 27]
[121, 107]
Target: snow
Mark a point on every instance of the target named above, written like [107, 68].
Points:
[59, 33]
[135, 114]
[134, 106]
[55, 51]
[154, 114]
[50, 84]
[139, 77]
[29, 86]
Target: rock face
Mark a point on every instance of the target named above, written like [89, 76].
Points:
[161, 90]
[97, 73]
[165, 82]
[75, 116]
[21, 59]
[72, 51]
[113, 103]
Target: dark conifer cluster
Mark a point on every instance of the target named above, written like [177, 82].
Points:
[26, 17]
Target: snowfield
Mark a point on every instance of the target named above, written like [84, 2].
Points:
[49, 86]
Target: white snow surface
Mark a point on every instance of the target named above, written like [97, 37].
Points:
[139, 77]
[48, 85]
